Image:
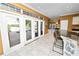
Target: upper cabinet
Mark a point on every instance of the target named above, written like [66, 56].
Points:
[75, 20]
[64, 25]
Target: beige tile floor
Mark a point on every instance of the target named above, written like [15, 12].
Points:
[40, 47]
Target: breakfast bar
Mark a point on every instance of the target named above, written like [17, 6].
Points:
[70, 42]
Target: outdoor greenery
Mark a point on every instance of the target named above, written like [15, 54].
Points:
[28, 24]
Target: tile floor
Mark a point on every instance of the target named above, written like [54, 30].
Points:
[40, 47]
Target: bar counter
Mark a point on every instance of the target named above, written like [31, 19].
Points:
[70, 42]
[71, 35]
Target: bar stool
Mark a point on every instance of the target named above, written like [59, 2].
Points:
[57, 39]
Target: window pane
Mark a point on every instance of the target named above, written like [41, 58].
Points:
[36, 28]
[28, 30]
[13, 32]
[41, 28]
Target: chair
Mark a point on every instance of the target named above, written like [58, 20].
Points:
[57, 39]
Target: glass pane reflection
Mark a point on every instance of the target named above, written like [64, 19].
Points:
[36, 28]
[13, 32]
[28, 30]
[41, 28]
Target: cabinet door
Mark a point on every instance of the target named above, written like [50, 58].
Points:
[76, 20]
[64, 25]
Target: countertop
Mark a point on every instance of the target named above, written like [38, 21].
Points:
[71, 35]
[74, 36]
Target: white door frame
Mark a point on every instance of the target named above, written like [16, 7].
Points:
[4, 32]
[38, 29]
[32, 28]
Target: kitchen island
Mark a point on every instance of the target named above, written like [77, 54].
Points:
[71, 42]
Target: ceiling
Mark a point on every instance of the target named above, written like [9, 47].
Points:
[53, 10]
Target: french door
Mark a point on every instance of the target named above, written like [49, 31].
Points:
[10, 30]
[16, 30]
[28, 28]
[36, 23]
[39, 28]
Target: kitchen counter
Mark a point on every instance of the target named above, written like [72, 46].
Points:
[71, 42]
[71, 35]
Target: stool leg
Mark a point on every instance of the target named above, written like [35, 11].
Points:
[56, 51]
[62, 47]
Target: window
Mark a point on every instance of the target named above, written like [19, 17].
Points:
[41, 28]
[10, 7]
[25, 12]
[36, 28]
[28, 29]
[13, 32]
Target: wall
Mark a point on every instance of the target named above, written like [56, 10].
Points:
[1, 49]
[46, 19]
[52, 21]
[70, 19]
[46, 26]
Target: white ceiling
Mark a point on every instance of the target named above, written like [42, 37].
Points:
[53, 10]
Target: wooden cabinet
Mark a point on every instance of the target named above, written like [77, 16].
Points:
[1, 49]
[64, 25]
[75, 20]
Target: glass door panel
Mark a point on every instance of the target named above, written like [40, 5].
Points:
[13, 32]
[41, 28]
[28, 30]
[36, 28]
